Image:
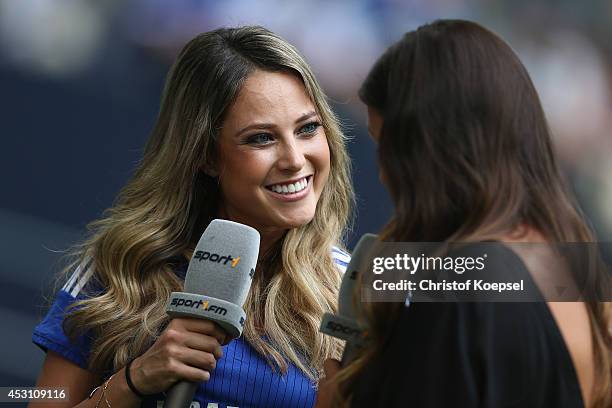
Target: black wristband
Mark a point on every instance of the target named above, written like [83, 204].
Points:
[128, 379]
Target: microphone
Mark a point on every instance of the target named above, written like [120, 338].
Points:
[344, 325]
[217, 283]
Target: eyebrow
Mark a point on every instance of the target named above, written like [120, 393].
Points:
[272, 125]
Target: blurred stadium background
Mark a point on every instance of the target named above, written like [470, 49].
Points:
[80, 82]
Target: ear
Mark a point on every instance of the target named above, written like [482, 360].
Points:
[210, 170]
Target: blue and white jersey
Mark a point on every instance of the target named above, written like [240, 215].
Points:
[242, 377]
[341, 258]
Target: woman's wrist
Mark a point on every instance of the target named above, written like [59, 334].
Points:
[119, 393]
[130, 382]
[114, 393]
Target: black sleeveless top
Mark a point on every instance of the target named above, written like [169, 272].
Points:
[473, 355]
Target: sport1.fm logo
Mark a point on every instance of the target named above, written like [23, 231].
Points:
[199, 304]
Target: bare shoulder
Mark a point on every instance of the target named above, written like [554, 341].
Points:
[572, 318]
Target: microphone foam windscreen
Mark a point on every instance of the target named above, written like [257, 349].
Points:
[223, 263]
[359, 255]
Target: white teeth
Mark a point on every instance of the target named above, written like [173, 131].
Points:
[290, 188]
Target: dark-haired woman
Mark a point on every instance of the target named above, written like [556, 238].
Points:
[465, 151]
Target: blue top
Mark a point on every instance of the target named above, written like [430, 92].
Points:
[242, 377]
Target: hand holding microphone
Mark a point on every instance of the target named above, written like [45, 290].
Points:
[187, 349]
[344, 324]
[206, 315]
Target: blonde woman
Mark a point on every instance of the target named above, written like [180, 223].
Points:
[244, 133]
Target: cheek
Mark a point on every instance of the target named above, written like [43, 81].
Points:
[242, 172]
[247, 165]
[322, 158]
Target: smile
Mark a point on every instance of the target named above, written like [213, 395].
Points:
[290, 188]
[291, 191]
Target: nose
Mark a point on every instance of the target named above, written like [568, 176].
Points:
[291, 157]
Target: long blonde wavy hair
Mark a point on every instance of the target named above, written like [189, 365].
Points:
[160, 214]
[467, 155]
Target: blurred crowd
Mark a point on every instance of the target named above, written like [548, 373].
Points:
[563, 43]
[116, 52]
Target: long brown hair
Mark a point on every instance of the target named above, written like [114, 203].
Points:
[162, 211]
[466, 154]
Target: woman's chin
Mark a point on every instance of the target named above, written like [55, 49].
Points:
[296, 221]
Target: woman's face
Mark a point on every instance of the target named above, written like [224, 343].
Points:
[273, 158]
[375, 124]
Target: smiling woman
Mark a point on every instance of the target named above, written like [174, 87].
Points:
[244, 133]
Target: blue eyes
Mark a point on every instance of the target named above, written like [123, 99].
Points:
[260, 138]
[308, 130]
[309, 127]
